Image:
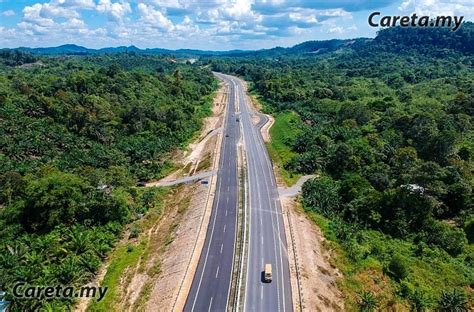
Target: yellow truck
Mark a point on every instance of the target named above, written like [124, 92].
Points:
[268, 273]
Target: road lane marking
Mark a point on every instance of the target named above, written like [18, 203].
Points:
[262, 161]
[224, 227]
[208, 248]
[226, 212]
[210, 305]
[222, 246]
[217, 272]
[221, 162]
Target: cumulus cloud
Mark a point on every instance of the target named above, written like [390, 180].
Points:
[39, 11]
[79, 4]
[154, 18]
[208, 23]
[273, 6]
[441, 7]
[115, 11]
[57, 19]
[238, 19]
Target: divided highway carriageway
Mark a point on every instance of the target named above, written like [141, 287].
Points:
[266, 240]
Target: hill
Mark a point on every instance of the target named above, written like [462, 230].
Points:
[317, 47]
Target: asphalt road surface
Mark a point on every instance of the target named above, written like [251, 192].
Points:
[267, 240]
[211, 283]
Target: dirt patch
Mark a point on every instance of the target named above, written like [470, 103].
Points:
[310, 263]
[212, 126]
[255, 119]
[82, 303]
[160, 239]
[156, 228]
[164, 288]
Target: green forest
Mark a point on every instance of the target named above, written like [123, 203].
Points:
[76, 136]
[387, 127]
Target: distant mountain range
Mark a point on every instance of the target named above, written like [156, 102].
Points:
[393, 39]
[305, 47]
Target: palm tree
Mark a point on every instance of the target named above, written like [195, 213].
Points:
[367, 301]
[452, 301]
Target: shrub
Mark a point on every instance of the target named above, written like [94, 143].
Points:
[353, 250]
[134, 232]
[419, 301]
[367, 301]
[469, 229]
[446, 237]
[398, 267]
[452, 301]
[321, 195]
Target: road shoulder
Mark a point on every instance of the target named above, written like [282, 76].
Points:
[314, 278]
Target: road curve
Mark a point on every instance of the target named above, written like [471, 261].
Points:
[267, 240]
[211, 283]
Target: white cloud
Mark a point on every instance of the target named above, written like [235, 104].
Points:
[8, 13]
[336, 29]
[57, 19]
[115, 11]
[208, 24]
[440, 7]
[79, 4]
[154, 18]
[38, 12]
[238, 20]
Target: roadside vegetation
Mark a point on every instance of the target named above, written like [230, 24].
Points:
[285, 128]
[76, 135]
[388, 125]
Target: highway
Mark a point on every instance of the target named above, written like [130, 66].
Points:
[211, 283]
[266, 239]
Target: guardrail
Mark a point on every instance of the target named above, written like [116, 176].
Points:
[295, 255]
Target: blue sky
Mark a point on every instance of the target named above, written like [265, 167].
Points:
[201, 24]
